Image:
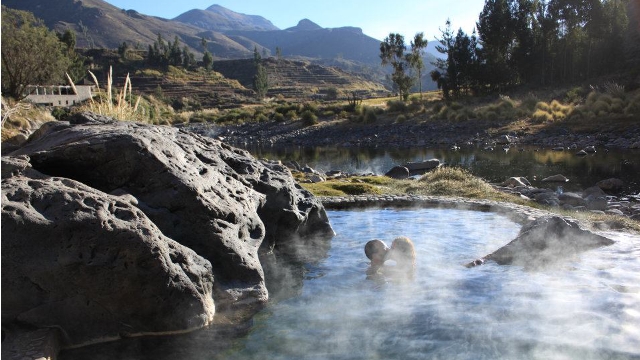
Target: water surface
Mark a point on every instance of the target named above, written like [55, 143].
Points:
[494, 165]
[586, 309]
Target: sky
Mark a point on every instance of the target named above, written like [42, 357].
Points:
[376, 18]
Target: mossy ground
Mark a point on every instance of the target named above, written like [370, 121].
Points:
[449, 181]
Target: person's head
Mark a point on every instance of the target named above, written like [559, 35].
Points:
[402, 251]
[376, 251]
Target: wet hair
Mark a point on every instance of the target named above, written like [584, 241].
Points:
[405, 250]
[373, 246]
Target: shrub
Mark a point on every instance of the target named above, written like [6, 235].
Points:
[633, 108]
[278, 117]
[370, 115]
[542, 116]
[396, 106]
[261, 118]
[591, 98]
[60, 113]
[328, 113]
[541, 105]
[401, 118]
[291, 115]
[309, 118]
[312, 107]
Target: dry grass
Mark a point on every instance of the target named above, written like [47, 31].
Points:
[114, 103]
[21, 117]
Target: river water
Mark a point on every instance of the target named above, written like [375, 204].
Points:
[585, 308]
[492, 165]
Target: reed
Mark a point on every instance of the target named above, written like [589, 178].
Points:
[114, 103]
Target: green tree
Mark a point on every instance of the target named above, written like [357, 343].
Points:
[418, 44]
[261, 81]
[31, 54]
[392, 52]
[495, 27]
[207, 60]
[256, 55]
[175, 53]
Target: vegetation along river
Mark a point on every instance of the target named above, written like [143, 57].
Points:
[494, 166]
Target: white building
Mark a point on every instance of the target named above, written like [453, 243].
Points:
[58, 95]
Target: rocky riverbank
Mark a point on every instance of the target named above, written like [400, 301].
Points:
[412, 134]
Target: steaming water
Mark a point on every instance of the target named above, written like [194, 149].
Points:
[586, 309]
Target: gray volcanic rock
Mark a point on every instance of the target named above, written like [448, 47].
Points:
[214, 199]
[545, 241]
[92, 265]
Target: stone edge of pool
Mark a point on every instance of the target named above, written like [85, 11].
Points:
[518, 213]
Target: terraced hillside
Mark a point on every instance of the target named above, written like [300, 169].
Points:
[298, 79]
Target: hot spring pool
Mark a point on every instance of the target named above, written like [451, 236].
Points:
[585, 309]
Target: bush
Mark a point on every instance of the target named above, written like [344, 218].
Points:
[60, 113]
[396, 106]
[542, 116]
[291, 115]
[401, 118]
[278, 117]
[309, 118]
[370, 115]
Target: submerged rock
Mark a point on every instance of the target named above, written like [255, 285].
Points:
[545, 241]
[208, 205]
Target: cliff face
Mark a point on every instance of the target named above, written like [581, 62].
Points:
[122, 216]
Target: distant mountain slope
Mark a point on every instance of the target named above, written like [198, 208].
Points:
[230, 35]
[218, 18]
[307, 39]
[102, 25]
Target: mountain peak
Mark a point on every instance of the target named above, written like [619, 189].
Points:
[306, 25]
[219, 18]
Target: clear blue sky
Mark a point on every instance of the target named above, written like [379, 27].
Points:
[377, 18]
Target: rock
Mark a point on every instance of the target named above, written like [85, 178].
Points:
[207, 196]
[581, 153]
[426, 165]
[96, 267]
[504, 140]
[516, 182]
[544, 242]
[572, 199]
[611, 184]
[547, 198]
[308, 170]
[555, 178]
[635, 145]
[315, 178]
[398, 172]
[558, 148]
[594, 202]
[614, 212]
[593, 191]
[590, 149]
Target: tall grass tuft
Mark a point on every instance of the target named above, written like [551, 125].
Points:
[115, 104]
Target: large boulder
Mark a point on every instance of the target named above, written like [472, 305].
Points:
[209, 197]
[546, 241]
[91, 264]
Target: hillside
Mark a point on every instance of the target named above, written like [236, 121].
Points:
[298, 79]
[218, 18]
[229, 35]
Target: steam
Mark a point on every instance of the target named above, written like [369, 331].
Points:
[587, 309]
[584, 309]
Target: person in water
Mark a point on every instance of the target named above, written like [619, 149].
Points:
[402, 252]
[376, 250]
